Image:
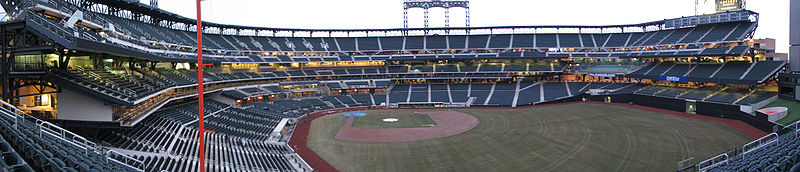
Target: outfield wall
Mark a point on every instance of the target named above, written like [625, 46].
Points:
[702, 108]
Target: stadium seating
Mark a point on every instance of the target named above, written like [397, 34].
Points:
[732, 72]
[485, 94]
[728, 96]
[173, 132]
[554, 91]
[529, 95]
[141, 33]
[781, 153]
[47, 150]
[700, 93]
[672, 92]
[627, 89]
[503, 94]
[714, 94]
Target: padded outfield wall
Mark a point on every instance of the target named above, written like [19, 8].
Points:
[702, 108]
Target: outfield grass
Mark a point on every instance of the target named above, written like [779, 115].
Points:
[573, 137]
[794, 111]
[374, 120]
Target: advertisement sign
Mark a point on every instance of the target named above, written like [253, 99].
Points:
[673, 78]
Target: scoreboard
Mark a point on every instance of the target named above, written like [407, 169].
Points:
[703, 7]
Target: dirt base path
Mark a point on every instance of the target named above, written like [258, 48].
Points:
[448, 123]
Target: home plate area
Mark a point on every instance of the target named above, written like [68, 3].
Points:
[415, 126]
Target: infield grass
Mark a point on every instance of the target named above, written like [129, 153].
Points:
[374, 120]
[572, 137]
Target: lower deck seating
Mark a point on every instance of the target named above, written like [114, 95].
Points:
[700, 93]
[236, 144]
[713, 94]
[783, 154]
[728, 96]
[45, 152]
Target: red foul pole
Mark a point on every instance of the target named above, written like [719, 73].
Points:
[200, 131]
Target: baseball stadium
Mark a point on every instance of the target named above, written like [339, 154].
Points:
[121, 85]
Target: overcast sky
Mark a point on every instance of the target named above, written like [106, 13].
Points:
[359, 14]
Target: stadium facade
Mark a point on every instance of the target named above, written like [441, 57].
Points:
[121, 74]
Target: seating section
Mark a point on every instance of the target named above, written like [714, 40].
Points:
[503, 94]
[289, 108]
[554, 91]
[486, 94]
[672, 92]
[26, 148]
[779, 154]
[624, 89]
[702, 72]
[700, 93]
[126, 86]
[755, 97]
[235, 94]
[143, 34]
[530, 96]
[732, 72]
[123, 84]
[728, 96]
[237, 140]
[11, 159]
[650, 90]
[713, 94]
[763, 69]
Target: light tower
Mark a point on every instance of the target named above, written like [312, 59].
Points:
[154, 3]
[427, 4]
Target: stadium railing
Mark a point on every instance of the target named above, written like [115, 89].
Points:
[45, 127]
[768, 139]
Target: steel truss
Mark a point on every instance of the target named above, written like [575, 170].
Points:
[427, 4]
[19, 64]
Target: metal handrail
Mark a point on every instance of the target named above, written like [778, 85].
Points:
[45, 127]
[760, 142]
[59, 30]
[714, 162]
[126, 160]
[125, 90]
[765, 140]
[92, 83]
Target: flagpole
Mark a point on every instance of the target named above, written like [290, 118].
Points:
[200, 131]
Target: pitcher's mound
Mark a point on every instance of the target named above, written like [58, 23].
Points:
[448, 123]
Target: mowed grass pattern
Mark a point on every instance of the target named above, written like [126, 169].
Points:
[572, 137]
[374, 120]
